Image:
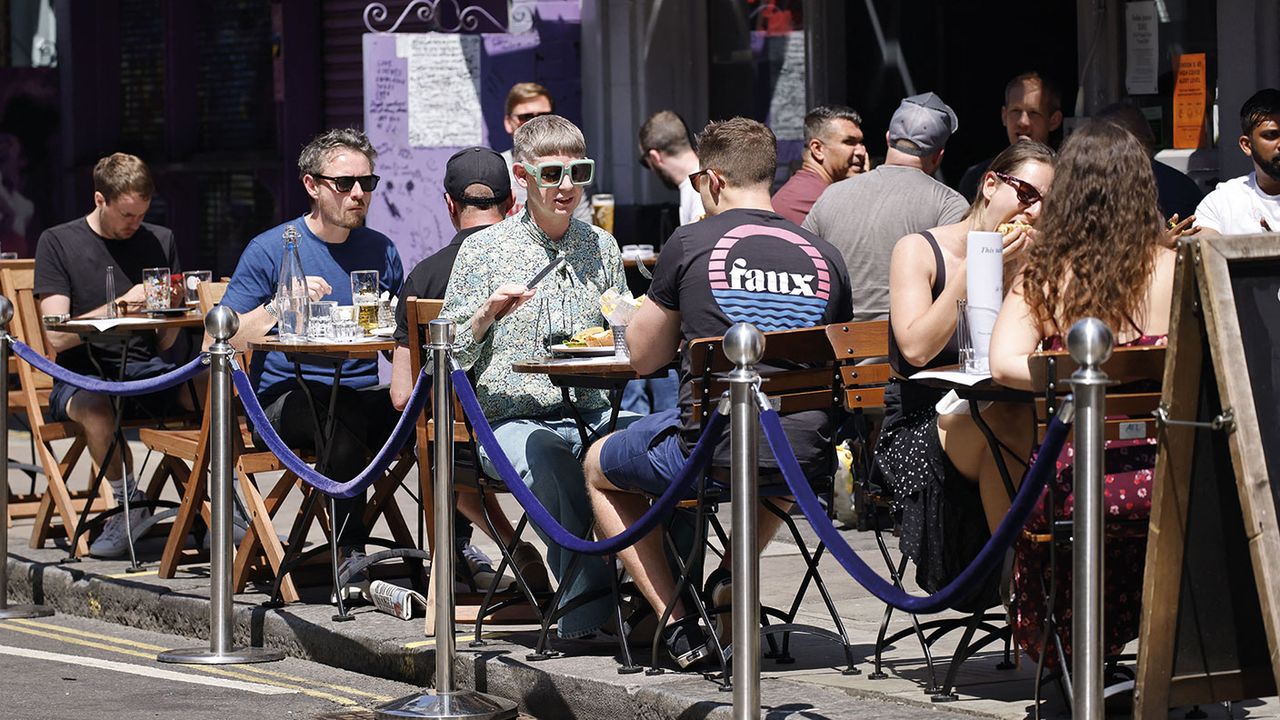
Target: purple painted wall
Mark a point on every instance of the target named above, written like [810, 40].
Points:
[409, 206]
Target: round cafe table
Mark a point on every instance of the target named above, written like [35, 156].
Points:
[600, 372]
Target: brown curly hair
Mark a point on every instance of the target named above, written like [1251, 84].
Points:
[1099, 233]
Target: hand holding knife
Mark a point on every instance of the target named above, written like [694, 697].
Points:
[546, 270]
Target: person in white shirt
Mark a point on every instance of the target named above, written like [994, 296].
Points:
[1250, 203]
[526, 101]
[666, 149]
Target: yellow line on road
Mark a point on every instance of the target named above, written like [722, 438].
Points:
[158, 648]
[339, 699]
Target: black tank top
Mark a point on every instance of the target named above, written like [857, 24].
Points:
[903, 397]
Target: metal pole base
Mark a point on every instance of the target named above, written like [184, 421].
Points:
[235, 656]
[18, 612]
[458, 704]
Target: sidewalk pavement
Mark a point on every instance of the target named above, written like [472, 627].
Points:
[583, 682]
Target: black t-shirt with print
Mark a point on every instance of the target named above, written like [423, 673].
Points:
[753, 266]
[72, 260]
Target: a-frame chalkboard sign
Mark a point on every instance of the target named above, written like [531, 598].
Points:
[1211, 599]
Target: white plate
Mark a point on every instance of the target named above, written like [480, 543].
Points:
[562, 349]
[388, 331]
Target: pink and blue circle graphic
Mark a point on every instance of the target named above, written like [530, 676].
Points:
[769, 298]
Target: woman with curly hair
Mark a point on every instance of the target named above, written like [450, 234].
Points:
[931, 463]
[1100, 254]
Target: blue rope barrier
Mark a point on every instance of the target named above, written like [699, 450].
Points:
[968, 580]
[127, 388]
[390, 449]
[698, 459]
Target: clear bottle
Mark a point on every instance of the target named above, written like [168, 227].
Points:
[292, 302]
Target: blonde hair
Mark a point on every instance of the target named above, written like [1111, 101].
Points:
[524, 92]
[548, 135]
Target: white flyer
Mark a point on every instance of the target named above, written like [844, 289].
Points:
[984, 289]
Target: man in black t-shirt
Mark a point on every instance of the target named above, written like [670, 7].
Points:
[744, 263]
[72, 262]
[478, 194]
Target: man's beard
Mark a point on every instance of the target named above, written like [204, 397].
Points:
[340, 218]
[1270, 167]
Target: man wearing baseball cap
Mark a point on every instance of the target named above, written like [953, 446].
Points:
[477, 191]
[864, 215]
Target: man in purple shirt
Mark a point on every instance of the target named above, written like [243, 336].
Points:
[833, 150]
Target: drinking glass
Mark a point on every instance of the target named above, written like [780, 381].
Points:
[157, 282]
[343, 323]
[364, 296]
[964, 338]
[191, 280]
[320, 326]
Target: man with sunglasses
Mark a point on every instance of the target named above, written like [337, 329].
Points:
[336, 169]
[526, 101]
[500, 321]
[743, 263]
[864, 215]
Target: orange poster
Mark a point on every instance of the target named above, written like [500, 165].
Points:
[1190, 98]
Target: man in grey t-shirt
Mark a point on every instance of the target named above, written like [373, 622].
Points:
[864, 215]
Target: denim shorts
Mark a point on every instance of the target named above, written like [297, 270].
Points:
[137, 407]
[646, 456]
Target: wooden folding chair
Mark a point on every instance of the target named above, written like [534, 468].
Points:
[1132, 399]
[21, 505]
[57, 507]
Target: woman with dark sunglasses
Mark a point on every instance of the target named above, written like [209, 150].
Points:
[942, 506]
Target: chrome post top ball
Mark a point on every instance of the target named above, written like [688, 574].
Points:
[744, 344]
[221, 323]
[1090, 342]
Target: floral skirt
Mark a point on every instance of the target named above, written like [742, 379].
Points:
[1127, 505]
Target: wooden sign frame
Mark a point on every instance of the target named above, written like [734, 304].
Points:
[1205, 316]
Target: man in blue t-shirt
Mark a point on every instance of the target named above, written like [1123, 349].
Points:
[743, 263]
[336, 169]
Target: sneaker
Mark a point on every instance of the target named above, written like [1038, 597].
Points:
[686, 642]
[113, 542]
[718, 597]
[473, 569]
[529, 564]
[357, 586]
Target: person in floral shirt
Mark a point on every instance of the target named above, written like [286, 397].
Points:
[500, 321]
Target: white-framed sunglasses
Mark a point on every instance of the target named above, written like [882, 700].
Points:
[551, 173]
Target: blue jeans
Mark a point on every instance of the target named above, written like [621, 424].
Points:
[547, 452]
[652, 395]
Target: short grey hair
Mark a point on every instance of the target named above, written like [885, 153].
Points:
[548, 135]
[317, 152]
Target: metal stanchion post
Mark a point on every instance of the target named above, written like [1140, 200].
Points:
[744, 346]
[7, 611]
[221, 323]
[1090, 343]
[445, 701]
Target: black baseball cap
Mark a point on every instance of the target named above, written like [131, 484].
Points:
[477, 165]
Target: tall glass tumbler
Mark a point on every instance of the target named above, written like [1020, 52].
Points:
[364, 296]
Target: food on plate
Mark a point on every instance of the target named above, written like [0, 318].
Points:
[1006, 228]
[591, 337]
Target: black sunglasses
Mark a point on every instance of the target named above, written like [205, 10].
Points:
[1027, 193]
[526, 117]
[344, 183]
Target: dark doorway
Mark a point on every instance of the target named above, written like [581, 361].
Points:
[965, 52]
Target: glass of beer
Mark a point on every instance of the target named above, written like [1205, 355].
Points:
[602, 211]
[364, 296]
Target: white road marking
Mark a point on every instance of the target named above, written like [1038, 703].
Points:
[144, 671]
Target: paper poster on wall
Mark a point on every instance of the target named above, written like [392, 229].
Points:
[1142, 47]
[1190, 97]
[444, 89]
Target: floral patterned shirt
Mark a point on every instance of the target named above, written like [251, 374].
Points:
[565, 301]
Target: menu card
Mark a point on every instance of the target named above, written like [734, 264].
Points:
[985, 290]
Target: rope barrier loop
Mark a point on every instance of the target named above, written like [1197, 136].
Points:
[964, 583]
[124, 388]
[339, 489]
[540, 516]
